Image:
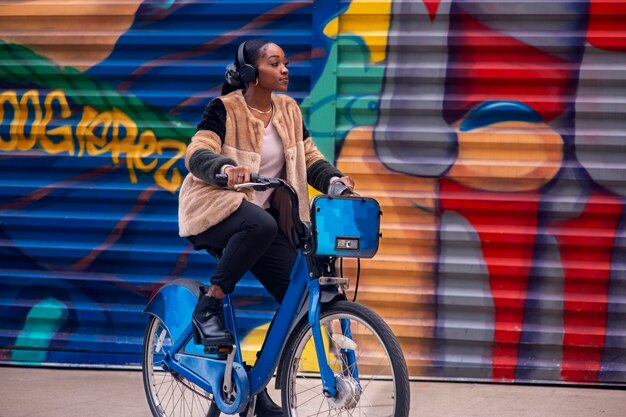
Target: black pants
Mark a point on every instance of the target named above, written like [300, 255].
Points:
[250, 240]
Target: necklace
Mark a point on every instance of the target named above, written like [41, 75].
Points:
[260, 111]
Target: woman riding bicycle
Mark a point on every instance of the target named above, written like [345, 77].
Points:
[248, 129]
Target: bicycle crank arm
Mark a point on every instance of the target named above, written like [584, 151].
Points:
[228, 373]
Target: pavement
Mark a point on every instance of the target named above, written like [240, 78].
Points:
[49, 392]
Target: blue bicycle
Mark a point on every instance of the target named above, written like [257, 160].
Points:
[329, 356]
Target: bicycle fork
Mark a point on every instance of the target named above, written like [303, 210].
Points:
[344, 341]
[328, 377]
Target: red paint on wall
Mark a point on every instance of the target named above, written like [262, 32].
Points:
[586, 244]
[487, 65]
[432, 6]
[607, 25]
[507, 227]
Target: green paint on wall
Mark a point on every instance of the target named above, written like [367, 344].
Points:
[42, 322]
[346, 95]
[20, 65]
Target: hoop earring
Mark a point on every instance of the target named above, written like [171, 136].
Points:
[256, 82]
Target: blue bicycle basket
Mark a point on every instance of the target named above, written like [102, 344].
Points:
[345, 226]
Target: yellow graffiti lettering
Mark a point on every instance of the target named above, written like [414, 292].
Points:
[161, 174]
[146, 147]
[123, 145]
[89, 113]
[67, 143]
[27, 142]
[11, 98]
[95, 134]
[97, 145]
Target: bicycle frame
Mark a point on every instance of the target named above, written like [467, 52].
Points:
[207, 372]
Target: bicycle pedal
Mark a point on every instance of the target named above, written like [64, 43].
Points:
[220, 351]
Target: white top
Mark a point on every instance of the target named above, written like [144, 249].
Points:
[272, 162]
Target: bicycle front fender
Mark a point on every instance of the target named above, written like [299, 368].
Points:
[173, 305]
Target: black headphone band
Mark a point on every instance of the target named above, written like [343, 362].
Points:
[247, 72]
[240, 58]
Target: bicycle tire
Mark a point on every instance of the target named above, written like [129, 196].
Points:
[382, 387]
[170, 394]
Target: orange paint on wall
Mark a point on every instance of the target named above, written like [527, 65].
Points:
[508, 156]
[75, 33]
[398, 282]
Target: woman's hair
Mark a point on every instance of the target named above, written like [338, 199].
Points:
[251, 54]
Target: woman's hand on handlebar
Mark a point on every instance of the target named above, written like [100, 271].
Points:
[237, 175]
[341, 186]
[348, 182]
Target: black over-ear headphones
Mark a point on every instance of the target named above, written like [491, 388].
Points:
[247, 72]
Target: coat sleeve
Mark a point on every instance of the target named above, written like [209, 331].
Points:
[203, 157]
[318, 170]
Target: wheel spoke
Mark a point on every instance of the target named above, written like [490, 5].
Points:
[169, 394]
[374, 394]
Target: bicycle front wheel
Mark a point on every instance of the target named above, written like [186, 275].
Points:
[365, 356]
[170, 394]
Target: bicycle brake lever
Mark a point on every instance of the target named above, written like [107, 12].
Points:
[247, 185]
[261, 184]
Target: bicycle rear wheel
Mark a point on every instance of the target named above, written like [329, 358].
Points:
[365, 356]
[170, 394]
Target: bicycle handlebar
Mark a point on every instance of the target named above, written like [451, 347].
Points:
[260, 183]
[257, 182]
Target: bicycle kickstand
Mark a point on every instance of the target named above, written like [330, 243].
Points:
[251, 406]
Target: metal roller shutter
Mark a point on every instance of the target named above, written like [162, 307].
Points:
[492, 134]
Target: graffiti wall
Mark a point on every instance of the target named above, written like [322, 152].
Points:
[492, 134]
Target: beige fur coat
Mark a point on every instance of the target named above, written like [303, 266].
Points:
[202, 204]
